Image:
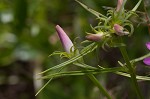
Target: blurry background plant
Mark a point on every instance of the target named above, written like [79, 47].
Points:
[28, 36]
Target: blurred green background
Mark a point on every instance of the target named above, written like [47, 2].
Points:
[28, 36]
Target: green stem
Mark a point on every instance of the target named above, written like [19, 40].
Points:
[96, 82]
[140, 58]
[131, 70]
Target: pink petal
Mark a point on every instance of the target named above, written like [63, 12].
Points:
[148, 45]
[147, 61]
[65, 40]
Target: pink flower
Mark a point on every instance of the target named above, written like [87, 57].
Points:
[148, 45]
[119, 5]
[65, 40]
[94, 37]
[147, 60]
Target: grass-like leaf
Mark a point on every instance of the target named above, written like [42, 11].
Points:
[46, 83]
[137, 5]
[44, 86]
[134, 9]
[85, 66]
[131, 27]
[83, 72]
[84, 51]
[87, 72]
[97, 14]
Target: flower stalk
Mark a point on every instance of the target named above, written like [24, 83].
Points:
[96, 82]
[131, 70]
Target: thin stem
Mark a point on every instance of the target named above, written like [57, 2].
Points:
[96, 82]
[140, 58]
[131, 70]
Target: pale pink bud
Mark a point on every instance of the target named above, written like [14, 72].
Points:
[119, 4]
[94, 37]
[65, 40]
[119, 30]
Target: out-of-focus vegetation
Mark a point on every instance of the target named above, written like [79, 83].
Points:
[28, 36]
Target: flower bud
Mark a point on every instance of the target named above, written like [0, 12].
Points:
[94, 37]
[119, 4]
[65, 40]
[119, 30]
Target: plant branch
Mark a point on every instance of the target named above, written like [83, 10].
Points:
[131, 70]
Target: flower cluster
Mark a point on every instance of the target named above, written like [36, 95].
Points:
[108, 28]
[112, 24]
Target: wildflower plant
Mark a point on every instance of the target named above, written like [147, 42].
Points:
[110, 30]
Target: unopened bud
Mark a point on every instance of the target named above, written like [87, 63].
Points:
[119, 30]
[119, 4]
[65, 40]
[94, 37]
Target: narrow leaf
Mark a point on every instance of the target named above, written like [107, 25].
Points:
[84, 72]
[43, 86]
[85, 51]
[106, 70]
[91, 10]
[134, 9]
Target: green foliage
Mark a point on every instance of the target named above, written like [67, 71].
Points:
[27, 34]
[106, 27]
